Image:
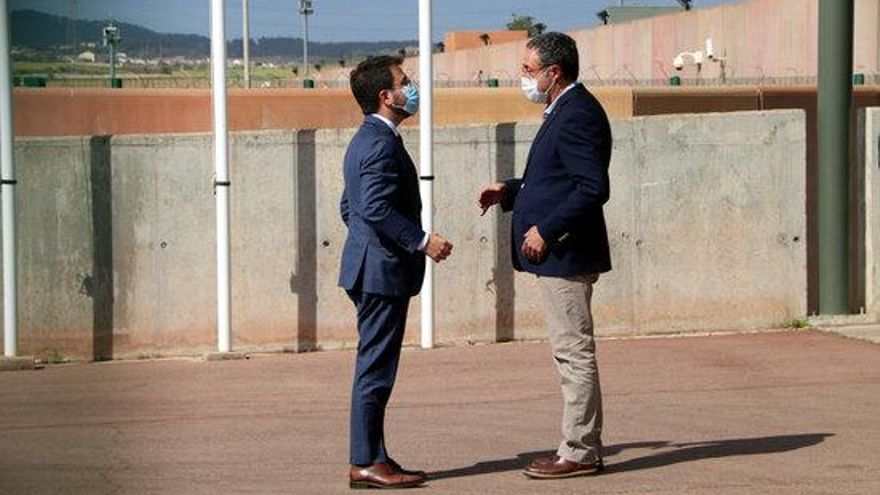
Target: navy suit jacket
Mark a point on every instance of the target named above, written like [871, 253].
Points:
[563, 189]
[382, 209]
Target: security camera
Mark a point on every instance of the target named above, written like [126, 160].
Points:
[678, 62]
[710, 49]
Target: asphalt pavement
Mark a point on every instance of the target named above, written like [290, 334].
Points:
[794, 412]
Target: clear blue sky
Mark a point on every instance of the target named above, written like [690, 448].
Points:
[339, 20]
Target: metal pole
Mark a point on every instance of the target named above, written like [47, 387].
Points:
[221, 172]
[426, 154]
[246, 43]
[112, 64]
[7, 190]
[835, 96]
[305, 44]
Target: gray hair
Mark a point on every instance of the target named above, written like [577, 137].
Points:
[559, 49]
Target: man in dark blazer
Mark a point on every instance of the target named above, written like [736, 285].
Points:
[383, 261]
[559, 235]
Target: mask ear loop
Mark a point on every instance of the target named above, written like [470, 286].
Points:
[400, 109]
[547, 91]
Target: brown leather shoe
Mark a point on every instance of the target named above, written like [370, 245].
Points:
[381, 476]
[557, 467]
[397, 467]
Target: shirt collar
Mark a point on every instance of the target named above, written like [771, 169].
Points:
[388, 123]
[550, 108]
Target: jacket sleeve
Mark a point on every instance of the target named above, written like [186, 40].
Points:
[511, 190]
[580, 149]
[380, 178]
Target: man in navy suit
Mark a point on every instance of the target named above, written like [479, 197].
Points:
[383, 261]
[559, 235]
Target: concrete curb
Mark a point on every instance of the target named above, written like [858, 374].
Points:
[21, 363]
[225, 356]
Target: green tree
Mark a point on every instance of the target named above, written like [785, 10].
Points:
[526, 23]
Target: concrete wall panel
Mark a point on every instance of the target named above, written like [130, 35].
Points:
[707, 224]
[869, 232]
[58, 286]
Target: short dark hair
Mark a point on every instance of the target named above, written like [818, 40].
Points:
[369, 78]
[557, 48]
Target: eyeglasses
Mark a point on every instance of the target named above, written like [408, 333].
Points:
[528, 71]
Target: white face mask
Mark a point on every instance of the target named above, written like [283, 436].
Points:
[530, 90]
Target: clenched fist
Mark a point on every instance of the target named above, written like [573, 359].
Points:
[438, 248]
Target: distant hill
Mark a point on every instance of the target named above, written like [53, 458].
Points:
[41, 31]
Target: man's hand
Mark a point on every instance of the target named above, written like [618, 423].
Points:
[490, 195]
[438, 248]
[533, 247]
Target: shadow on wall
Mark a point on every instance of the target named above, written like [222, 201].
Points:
[303, 279]
[505, 158]
[99, 287]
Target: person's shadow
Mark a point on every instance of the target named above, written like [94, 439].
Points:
[672, 453]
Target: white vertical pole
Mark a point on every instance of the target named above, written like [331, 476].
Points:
[7, 190]
[426, 154]
[221, 171]
[245, 43]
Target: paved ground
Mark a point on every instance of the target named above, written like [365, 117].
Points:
[780, 413]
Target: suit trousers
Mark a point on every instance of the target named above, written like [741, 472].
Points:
[570, 330]
[381, 323]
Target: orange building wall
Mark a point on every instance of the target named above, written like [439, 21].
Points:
[463, 40]
[100, 111]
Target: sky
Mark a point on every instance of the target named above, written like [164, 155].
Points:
[340, 20]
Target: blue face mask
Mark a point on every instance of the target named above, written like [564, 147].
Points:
[411, 92]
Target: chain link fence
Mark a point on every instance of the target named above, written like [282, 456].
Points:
[190, 82]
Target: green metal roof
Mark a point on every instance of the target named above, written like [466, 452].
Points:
[617, 15]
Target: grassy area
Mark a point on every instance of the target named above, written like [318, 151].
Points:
[82, 74]
[86, 69]
[58, 68]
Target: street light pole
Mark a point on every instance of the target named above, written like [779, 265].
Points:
[305, 10]
[245, 43]
[111, 37]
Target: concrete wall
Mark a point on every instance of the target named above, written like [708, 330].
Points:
[867, 191]
[707, 221]
[761, 38]
[463, 40]
[84, 112]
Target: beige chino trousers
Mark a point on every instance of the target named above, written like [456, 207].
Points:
[570, 330]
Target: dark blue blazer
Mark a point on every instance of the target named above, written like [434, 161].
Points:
[382, 209]
[563, 189]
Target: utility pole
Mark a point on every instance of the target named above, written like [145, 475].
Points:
[111, 37]
[305, 10]
[245, 43]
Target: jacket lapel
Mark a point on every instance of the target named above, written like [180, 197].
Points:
[548, 121]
